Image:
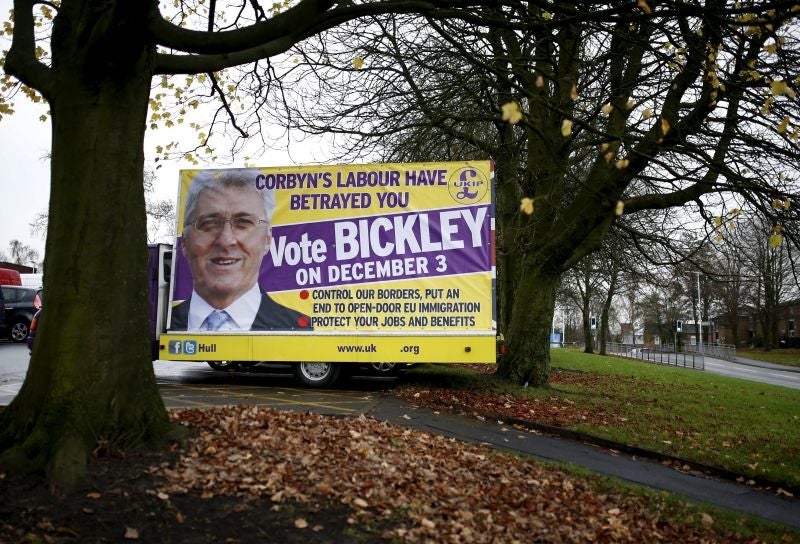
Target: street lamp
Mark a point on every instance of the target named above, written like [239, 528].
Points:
[699, 315]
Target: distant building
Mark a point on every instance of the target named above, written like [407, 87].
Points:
[632, 333]
[748, 327]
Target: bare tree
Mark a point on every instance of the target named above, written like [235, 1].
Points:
[21, 253]
[669, 110]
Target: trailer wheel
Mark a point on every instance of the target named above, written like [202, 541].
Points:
[317, 374]
[224, 366]
[386, 369]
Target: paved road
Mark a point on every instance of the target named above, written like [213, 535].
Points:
[756, 371]
[185, 385]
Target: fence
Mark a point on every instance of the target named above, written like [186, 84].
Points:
[716, 351]
[659, 354]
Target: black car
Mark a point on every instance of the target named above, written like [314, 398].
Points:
[20, 305]
[3, 313]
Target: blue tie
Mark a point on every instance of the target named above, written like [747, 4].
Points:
[216, 320]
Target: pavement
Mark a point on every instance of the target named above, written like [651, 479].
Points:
[764, 364]
[630, 468]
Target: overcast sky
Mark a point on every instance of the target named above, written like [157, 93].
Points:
[25, 185]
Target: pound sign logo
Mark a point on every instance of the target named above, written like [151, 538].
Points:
[467, 186]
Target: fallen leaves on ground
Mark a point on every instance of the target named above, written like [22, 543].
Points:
[551, 410]
[425, 488]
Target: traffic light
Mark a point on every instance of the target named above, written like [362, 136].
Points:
[678, 326]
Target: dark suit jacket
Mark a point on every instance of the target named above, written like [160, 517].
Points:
[271, 316]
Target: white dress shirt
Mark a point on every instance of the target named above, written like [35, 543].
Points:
[242, 312]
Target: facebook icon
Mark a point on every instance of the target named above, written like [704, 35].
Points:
[175, 347]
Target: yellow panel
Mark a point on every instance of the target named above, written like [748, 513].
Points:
[329, 348]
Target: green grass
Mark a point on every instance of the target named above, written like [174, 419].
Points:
[789, 357]
[740, 425]
[743, 426]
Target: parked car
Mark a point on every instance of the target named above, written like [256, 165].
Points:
[2, 311]
[32, 329]
[21, 303]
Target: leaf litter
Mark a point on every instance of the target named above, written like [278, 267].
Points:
[416, 486]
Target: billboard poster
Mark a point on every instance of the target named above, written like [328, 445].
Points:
[372, 256]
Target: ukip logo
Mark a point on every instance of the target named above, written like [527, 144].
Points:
[467, 186]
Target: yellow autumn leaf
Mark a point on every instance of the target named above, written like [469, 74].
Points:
[526, 205]
[786, 204]
[608, 156]
[782, 88]
[783, 126]
[539, 81]
[358, 63]
[622, 164]
[607, 108]
[775, 240]
[647, 114]
[566, 127]
[573, 93]
[620, 209]
[511, 113]
[718, 221]
[642, 5]
[708, 520]
[664, 126]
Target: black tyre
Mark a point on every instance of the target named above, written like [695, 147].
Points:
[224, 366]
[18, 331]
[317, 374]
[385, 369]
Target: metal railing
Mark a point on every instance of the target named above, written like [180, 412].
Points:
[717, 351]
[658, 354]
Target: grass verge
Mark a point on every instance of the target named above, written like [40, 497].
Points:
[746, 427]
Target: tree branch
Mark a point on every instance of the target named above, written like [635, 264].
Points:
[21, 61]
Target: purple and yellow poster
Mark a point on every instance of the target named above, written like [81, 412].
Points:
[379, 262]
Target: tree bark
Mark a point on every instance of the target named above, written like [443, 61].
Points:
[531, 318]
[90, 378]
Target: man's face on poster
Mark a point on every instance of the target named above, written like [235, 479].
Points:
[225, 256]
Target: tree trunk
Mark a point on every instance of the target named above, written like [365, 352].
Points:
[91, 377]
[531, 319]
[603, 332]
[588, 340]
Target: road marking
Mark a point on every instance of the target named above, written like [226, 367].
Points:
[317, 400]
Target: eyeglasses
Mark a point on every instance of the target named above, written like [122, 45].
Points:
[241, 224]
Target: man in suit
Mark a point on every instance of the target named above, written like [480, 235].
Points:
[226, 233]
